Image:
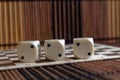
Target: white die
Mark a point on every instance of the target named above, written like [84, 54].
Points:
[83, 47]
[29, 51]
[55, 49]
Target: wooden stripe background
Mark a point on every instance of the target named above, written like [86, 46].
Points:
[41, 20]
[66, 19]
[101, 19]
[26, 20]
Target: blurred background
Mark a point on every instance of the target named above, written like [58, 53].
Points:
[63, 19]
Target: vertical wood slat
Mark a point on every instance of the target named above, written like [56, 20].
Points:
[83, 16]
[94, 15]
[117, 18]
[100, 21]
[105, 19]
[65, 20]
[59, 19]
[11, 22]
[69, 19]
[6, 23]
[109, 18]
[21, 21]
[16, 22]
[118, 22]
[113, 19]
[73, 16]
[1, 33]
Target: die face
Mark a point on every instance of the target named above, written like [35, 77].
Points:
[28, 51]
[83, 48]
[55, 49]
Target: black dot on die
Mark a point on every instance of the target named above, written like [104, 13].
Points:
[59, 55]
[78, 44]
[32, 46]
[48, 45]
[89, 53]
[22, 57]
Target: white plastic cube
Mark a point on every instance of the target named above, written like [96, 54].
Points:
[55, 49]
[83, 47]
[29, 51]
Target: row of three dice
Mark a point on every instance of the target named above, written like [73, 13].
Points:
[54, 49]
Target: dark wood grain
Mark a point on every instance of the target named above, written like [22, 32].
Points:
[41, 20]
